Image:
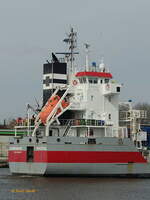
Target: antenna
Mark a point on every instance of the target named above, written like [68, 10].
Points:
[38, 104]
[87, 56]
[102, 60]
[102, 65]
[72, 41]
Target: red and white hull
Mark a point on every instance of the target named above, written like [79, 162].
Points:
[109, 158]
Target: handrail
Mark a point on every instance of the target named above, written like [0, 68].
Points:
[82, 122]
[25, 129]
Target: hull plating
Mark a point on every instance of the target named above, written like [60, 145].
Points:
[107, 158]
[95, 169]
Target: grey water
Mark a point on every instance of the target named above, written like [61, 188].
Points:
[72, 188]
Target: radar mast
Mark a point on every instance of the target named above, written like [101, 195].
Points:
[71, 40]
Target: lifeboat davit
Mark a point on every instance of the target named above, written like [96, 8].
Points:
[50, 105]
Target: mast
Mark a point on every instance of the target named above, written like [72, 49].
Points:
[72, 41]
[73, 45]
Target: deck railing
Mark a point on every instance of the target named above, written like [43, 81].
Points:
[3, 151]
[82, 122]
[23, 130]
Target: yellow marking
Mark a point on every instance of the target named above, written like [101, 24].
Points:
[22, 190]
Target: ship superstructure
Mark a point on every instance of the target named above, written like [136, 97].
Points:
[77, 129]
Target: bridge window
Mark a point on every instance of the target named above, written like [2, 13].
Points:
[82, 80]
[93, 80]
[90, 80]
[106, 80]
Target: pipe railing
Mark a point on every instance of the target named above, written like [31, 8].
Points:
[82, 122]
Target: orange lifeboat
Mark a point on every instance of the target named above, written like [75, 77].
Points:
[50, 105]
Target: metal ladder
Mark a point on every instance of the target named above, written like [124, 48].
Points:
[67, 129]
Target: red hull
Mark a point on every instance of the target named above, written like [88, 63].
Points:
[78, 157]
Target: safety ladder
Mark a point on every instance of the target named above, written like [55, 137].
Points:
[67, 129]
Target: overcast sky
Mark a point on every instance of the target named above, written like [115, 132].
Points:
[31, 29]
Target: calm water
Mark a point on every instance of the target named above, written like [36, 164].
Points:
[69, 188]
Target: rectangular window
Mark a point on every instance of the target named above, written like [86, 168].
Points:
[50, 133]
[80, 80]
[109, 116]
[118, 89]
[30, 154]
[95, 81]
[84, 80]
[90, 81]
[106, 80]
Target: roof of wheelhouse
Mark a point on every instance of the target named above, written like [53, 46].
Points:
[94, 74]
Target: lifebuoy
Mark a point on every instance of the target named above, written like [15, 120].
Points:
[75, 82]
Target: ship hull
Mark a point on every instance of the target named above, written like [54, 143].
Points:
[78, 169]
[99, 169]
[106, 158]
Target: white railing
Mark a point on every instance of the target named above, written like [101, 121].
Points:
[82, 122]
[122, 132]
[24, 130]
[3, 150]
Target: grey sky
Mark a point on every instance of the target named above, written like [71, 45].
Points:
[30, 30]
